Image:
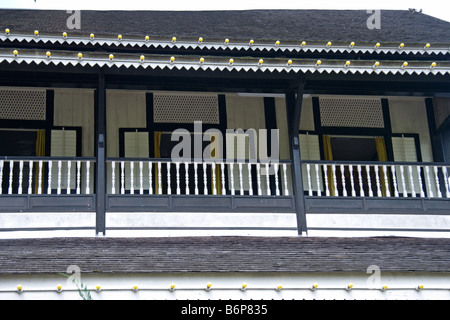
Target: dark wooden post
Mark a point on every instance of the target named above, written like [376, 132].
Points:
[437, 144]
[294, 98]
[100, 181]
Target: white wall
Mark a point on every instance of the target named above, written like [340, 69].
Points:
[47, 224]
[260, 286]
[200, 224]
[124, 109]
[409, 115]
[75, 108]
[378, 225]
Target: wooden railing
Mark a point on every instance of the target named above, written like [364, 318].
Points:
[163, 176]
[61, 175]
[376, 179]
[46, 175]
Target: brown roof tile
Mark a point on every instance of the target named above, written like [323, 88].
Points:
[223, 254]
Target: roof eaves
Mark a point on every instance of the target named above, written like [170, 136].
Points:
[226, 44]
[197, 62]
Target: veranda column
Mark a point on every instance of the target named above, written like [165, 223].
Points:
[100, 181]
[294, 97]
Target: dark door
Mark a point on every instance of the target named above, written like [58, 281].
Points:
[16, 144]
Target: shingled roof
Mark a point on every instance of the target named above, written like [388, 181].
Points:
[327, 25]
[223, 254]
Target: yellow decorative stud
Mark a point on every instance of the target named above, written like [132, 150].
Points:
[401, 45]
[59, 288]
[303, 43]
[251, 42]
[231, 61]
[352, 44]
[376, 64]
[174, 39]
[147, 38]
[420, 287]
[36, 33]
[227, 41]
[433, 64]
[7, 31]
[244, 286]
[427, 46]
[98, 288]
[405, 64]
[135, 288]
[384, 287]
[349, 286]
[142, 58]
[172, 59]
[15, 53]
[279, 287]
[19, 288]
[48, 54]
[314, 286]
[111, 56]
[200, 40]
[347, 63]
[318, 63]
[172, 287]
[328, 44]
[377, 45]
[289, 63]
[80, 55]
[119, 37]
[92, 36]
[277, 43]
[201, 60]
[208, 286]
[64, 34]
[260, 62]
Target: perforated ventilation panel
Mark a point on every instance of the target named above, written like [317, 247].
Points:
[185, 108]
[341, 112]
[22, 104]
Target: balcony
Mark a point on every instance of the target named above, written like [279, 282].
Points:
[160, 185]
[163, 185]
[376, 187]
[47, 184]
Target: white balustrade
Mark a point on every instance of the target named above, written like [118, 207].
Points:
[19, 191]
[79, 177]
[74, 176]
[141, 177]
[241, 180]
[213, 171]
[150, 178]
[214, 178]
[250, 187]
[30, 177]
[380, 180]
[377, 179]
[169, 185]
[446, 182]
[308, 171]
[333, 169]
[60, 176]
[344, 191]
[277, 190]
[195, 178]
[258, 178]
[69, 165]
[319, 191]
[177, 167]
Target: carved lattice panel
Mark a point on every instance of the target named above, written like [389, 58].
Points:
[185, 108]
[359, 113]
[22, 104]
